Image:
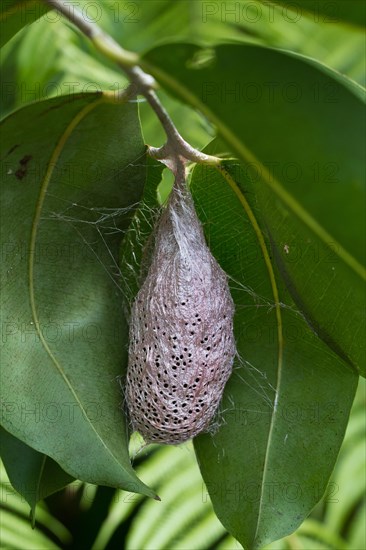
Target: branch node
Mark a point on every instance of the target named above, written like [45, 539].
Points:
[176, 150]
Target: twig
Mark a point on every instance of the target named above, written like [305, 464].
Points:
[176, 149]
[102, 41]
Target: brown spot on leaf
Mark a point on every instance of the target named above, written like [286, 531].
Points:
[22, 170]
[12, 149]
[20, 173]
[24, 161]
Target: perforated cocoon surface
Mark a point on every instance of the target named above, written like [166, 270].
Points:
[181, 333]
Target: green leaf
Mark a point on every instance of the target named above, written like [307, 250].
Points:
[73, 168]
[338, 46]
[337, 11]
[47, 532]
[316, 535]
[15, 530]
[348, 486]
[36, 64]
[286, 406]
[183, 519]
[34, 475]
[185, 505]
[298, 127]
[15, 14]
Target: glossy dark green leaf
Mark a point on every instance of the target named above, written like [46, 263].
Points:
[336, 11]
[286, 406]
[299, 127]
[16, 14]
[34, 475]
[73, 169]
